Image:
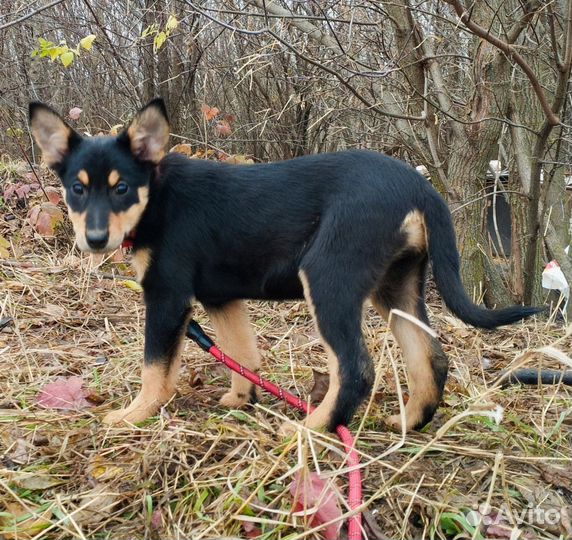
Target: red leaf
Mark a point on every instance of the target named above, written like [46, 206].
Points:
[310, 491]
[75, 113]
[45, 218]
[223, 128]
[209, 112]
[22, 190]
[33, 215]
[230, 118]
[251, 530]
[64, 393]
[54, 195]
[9, 190]
[157, 519]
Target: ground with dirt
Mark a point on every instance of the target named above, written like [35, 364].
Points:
[198, 469]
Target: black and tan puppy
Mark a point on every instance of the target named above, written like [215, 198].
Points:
[335, 229]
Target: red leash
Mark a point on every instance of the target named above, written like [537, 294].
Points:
[195, 332]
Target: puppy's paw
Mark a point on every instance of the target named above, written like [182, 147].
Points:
[233, 400]
[394, 423]
[129, 415]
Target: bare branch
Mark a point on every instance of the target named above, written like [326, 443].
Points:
[303, 25]
[31, 14]
[510, 51]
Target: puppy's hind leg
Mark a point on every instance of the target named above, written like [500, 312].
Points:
[235, 336]
[403, 288]
[338, 320]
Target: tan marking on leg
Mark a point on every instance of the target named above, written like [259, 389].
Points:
[159, 383]
[236, 337]
[323, 413]
[140, 262]
[158, 386]
[83, 177]
[417, 351]
[113, 178]
[414, 226]
[122, 223]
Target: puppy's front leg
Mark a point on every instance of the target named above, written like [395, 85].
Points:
[166, 319]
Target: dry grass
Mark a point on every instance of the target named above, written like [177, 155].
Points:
[198, 470]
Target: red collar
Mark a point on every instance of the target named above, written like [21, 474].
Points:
[128, 240]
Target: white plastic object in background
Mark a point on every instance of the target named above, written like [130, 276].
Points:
[554, 278]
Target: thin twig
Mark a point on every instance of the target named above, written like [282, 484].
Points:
[31, 14]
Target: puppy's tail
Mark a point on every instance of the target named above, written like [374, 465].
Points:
[446, 272]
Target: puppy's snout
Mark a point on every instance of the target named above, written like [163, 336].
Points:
[97, 238]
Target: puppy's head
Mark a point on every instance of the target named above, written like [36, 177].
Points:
[105, 179]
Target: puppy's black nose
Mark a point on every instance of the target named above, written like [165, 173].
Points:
[97, 239]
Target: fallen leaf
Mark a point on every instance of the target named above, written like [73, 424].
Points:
[321, 385]
[57, 312]
[557, 476]
[101, 469]
[251, 530]
[183, 148]
[45, 218]
[17, 448]
[75, 112]
[64, 393]
[133, 285]
[311, 492]
[54, 194]
[96, 505]
[500, 531]
[4, 245]
[239, 159]
[542, 500]
[23, 522]
[36, 480]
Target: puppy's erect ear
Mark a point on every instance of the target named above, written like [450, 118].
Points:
[54, 137]
[149, 132]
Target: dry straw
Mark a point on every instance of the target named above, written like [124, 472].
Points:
[199, 470]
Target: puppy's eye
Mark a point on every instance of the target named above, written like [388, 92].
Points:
[121, 188]
[78, 188]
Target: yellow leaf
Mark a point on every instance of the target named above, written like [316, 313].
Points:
[239, 159]
[101, 469]
[159, 40]
[4, 245]
[67, 58]
[183, 148]
[133, 285]
[114, 130]
[87, 42]
[172, 23]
